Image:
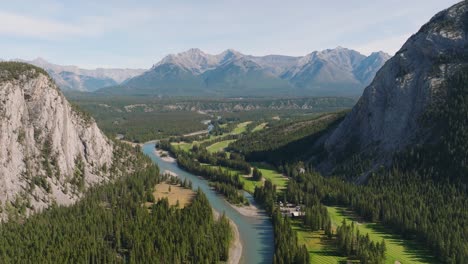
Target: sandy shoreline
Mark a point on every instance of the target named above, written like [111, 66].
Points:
[251, 210]
[167, 157]
[235, 248]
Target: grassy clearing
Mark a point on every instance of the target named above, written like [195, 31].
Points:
[241, 128]
[270, 173]
[260, 127]
[398, 249]
[323, 250]
[219, 146]
[177, 193]
[183, 146]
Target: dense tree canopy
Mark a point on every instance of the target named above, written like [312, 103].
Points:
[112, 225]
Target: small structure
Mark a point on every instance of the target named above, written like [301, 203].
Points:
[295, 214]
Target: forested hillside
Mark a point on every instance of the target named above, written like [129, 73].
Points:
[286, 142]
[111, 225]
[411, 178]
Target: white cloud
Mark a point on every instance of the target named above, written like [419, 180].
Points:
[15, 24]
[18, 25]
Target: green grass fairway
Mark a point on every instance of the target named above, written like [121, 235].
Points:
[321, 249]
[183, 146]
[398, 249]
[259, 127]
[241, 128]
[249, 184]
[270, 173]
[219, 146]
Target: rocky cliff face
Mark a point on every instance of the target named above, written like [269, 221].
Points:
[387, 118]
[50, 152]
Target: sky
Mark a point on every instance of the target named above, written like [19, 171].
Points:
[137, 34]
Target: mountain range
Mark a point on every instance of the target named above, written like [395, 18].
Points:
[74, 78]
[330, 72]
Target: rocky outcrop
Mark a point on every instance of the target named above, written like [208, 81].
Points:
[50, 151]
[387, 118]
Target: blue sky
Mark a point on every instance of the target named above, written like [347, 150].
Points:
[132, 34]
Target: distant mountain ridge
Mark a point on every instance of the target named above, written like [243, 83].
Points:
[330, 72]
[70, 77]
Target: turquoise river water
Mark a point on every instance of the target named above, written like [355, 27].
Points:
[256, 233]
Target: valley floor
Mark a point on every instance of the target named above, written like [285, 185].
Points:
[323, 249]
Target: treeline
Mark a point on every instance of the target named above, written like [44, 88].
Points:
[230, 192]
[432, 212]
[353, 244]
[219, 139]
[287, 248]
[229, 183]
[316, 218]
[12, 70]
[234, 161]
[110, 225]
[186, 184]
[224, 181]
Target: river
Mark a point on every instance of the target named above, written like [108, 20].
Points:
[256, 233]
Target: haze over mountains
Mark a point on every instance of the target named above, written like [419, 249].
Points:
[70, 77]
[331, 72]
[338, 71]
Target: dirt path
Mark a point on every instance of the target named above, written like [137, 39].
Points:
[201, 132]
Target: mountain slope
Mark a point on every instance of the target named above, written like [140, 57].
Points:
[74, 78]
[327, 72]
[331, 72]
[399, 110]
[244, 76]
[367, 69]
[51, 152]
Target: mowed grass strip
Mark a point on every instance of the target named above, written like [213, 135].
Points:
[186, 146]
[321, 249]
[398, 249]
[250, 184]
[241, 128]
[269, 172]
[219, 146]
[259, 127]
[182, 146]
